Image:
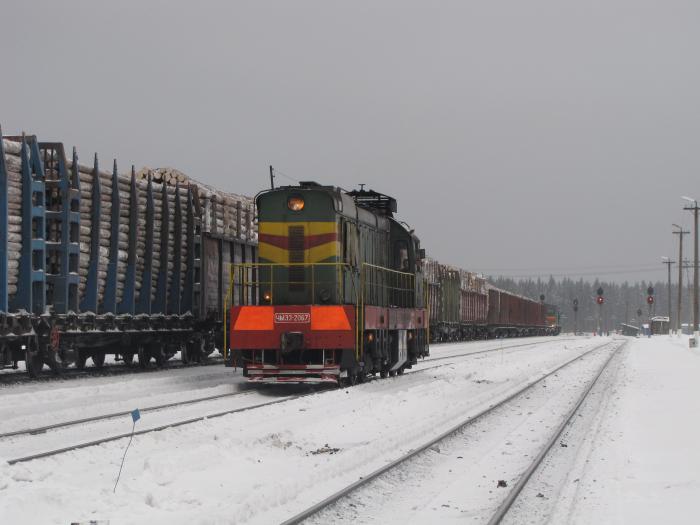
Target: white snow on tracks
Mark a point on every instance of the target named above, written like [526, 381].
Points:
[257, 466]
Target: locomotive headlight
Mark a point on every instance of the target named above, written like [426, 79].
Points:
[295, 203]
[267, 297]
[370, 337]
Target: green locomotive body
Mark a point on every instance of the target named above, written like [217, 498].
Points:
[338, 292]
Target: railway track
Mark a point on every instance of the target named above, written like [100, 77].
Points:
[512, 496]
[487, 350]
[393, 465]
[113, 415]
[108, 370]
[14, 378]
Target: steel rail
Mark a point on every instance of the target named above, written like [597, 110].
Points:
[364, 480]
[38, 430]
[496, 349]
[152, 429]
[112, 415]
[507, 503]
[15, 378]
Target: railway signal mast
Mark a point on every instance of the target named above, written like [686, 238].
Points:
[600, 300]
[668, 262]
[575, 316]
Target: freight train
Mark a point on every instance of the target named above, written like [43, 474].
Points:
[344, 291]
[146, 264]
[96, 262]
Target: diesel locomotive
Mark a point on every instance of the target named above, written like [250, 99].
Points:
[338, 291]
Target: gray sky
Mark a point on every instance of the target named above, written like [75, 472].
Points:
[535, 137]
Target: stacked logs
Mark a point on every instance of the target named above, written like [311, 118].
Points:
[223, 213]
[226, 214]
[124, 183]
[13, 164]
[157, 226]
[142, 203]
[86, 180]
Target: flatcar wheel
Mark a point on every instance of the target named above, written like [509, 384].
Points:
[33, 362]
[158, 352]
[144, 356]
[185, 353]
[80, 360]
[54, 363]
[98, 360]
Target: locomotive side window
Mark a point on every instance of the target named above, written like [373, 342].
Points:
[401, 256]
[350, 252]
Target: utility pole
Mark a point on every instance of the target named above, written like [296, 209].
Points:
[694, 208]
[668, 262]
[679, 318]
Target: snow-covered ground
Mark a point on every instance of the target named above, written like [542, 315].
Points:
[266, 464]
[638, 460]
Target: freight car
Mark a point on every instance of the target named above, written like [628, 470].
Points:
[458, 303]
[95, 262]
[552, 318]
[512, 315]
[341, 292]
[464, 306]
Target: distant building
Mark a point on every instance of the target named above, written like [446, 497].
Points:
[660, 325]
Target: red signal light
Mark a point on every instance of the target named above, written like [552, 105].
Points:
[600, 300]
[650, 300]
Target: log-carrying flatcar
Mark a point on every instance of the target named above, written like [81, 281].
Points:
[95, 262]
[338, 293]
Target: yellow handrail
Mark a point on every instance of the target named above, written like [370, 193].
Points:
[405, 289]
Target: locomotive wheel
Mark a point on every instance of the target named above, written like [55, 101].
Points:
[128, 358]
[33, 362]
[392, 373]
[383, 374]
[399, 372]
[144, 356]
[98, 360]
[350, 380]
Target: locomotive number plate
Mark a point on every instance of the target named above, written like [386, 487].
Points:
[296, 317]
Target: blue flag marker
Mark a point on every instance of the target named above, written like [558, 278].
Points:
[135, 416]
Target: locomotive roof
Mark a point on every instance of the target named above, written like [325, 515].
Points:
[375, 201]
[379, 206]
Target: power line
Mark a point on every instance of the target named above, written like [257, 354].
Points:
[580, 274]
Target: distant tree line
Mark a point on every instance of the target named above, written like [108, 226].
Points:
[622, 300]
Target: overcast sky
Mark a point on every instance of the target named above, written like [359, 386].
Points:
[519, 137]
